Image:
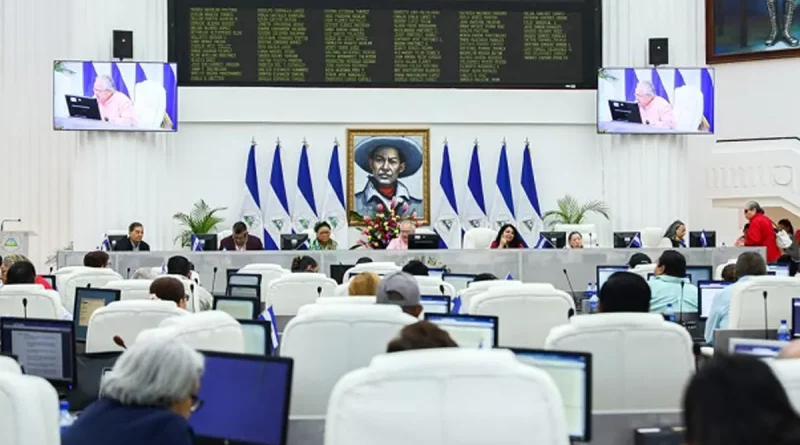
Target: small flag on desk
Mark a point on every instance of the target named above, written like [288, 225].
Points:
[163, 269]
[269, 315]
[456, 305]
[637, 240]
[105, 245]
[197, 244]
[703, 239]
[541, 243]
[509, 277]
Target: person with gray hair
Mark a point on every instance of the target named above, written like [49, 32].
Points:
[761, 232]
[748, 265]
[407, 228]
[655, 110]
[146, 398]
[115, 107]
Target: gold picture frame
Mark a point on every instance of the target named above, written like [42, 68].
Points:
[413, 188]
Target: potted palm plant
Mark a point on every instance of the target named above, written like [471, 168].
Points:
[202, 219]
[570, 211]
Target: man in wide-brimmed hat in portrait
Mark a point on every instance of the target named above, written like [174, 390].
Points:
[387, 159]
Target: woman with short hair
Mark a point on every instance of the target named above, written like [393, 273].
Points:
[322, 240]
[146, 398]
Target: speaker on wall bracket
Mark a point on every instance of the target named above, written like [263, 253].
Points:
[123, 44]
[659, 51]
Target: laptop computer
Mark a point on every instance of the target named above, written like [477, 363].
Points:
[83, 107]
[722, 337]
[623, 111]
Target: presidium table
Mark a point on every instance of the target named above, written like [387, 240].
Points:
[528, 265]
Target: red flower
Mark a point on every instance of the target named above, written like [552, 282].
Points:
[379, 207]
[405, 207]
[367, 220]
[394, 202]
[419, 223]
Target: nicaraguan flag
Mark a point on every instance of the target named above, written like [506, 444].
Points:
[707, 87]
[703, 239]
[333, 207]
[197, 244]
[509, 277]
[529, 214]
[250, 212]
[658, 85]
[541, 243]
[456, 305]
[679, 81]
[140, 75]
[269, 315]
[631, 80]
[637, 240]
[473, 213]
[163, 269]
[119, 82]
[446, 223]
[105, 245]
[502, 211]
[276, 209]
[304, 212]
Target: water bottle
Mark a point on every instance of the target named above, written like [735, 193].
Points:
[669, 313]
[65, 418]
[591, 294]
[783, 332]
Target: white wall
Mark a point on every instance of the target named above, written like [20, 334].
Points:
[108, 180]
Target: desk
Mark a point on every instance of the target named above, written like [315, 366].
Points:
[78, 123]
[630, 127]
[529, 265]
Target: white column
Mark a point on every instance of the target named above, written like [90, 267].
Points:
[646, 178]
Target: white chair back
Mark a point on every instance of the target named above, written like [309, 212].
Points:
[268, 273]
[437, 390]
[639, 361]
[328, 340]
[788, 372]
[652, 236]
[207, 331]
[291, 291]
[747, 302]
[643, 270]
[83, 277]
[526, 312]
[434, 286]
[126, 319]
[479, 238]
[8, 364]
[342, 290]
[131, 289]
[380, 268]
[688, 108]
[718, 270]
[480, 287]
[353, 299]
[41, 302]
[150, 104]
[28, 411]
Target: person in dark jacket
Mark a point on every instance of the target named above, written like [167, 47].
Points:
[133, 243]
[240, 240]
[146, 398]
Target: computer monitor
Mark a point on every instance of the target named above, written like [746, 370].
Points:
[337, 271]
[89, 371]
[423, 241]
[244, 279]
[51, 280]
[240, 308]
[795, 317]
[706, 292]
[113, 239]
[553, 240]
[623, 240]
[260, 388]
[88, 300]
[44, 348]
[755, 347]
[436, 272]
[293, 241]
[208, 241]
[257, 336]
[244, 292]
[228, 273]
[572, 374]
[781, 270]
[697, 274]
[604, 272]
[460, 281]
[435, 304]
[468, 331]
[696, 239]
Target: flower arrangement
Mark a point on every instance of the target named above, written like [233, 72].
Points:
[383, 226]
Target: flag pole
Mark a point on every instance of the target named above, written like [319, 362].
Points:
[336, 141]
[445, 141]
[253, 141]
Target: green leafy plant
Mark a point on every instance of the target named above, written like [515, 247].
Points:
[604, 74]
[202, 219]
[61, 67]
[570, 211]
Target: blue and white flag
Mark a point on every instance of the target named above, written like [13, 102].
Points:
[304, 211]
[703, 239]
[473, 213]
[456, 305]
[276, 209]
[509, 277]
[250, 212]
[541, 243]
[333, 207]
[529, 214]
[502, 211]
[446, 223]
[105, 245]
[269, 315]
[637, 240]
[197, 243]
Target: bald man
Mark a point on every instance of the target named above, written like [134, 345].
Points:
[791, 350]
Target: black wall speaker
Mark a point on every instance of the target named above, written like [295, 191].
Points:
[123, 44]
[659, 51]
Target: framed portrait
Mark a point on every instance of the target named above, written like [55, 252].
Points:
[383, 164]
[739, 30]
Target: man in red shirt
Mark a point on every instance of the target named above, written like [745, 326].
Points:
[761, 232]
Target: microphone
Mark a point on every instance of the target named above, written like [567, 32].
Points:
[119, 342]
[680, 305]
[214, 279]
[88, 285]
[25, 307]
[441, 289]
[128, 273]
[3, 222]
[194, 300]
[569, 283]
[590, 240]
[766, 323]
[51, 270]
[319, 291]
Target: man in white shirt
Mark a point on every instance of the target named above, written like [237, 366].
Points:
[180, 267]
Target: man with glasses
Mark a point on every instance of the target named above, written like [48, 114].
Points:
[656, 111]
[115, 107]
[761, 232]
[407, 229]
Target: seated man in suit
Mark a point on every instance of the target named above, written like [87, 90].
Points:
[240, 240]
[133, 243]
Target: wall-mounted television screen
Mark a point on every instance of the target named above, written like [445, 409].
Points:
[115, 96]
[655, 100]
